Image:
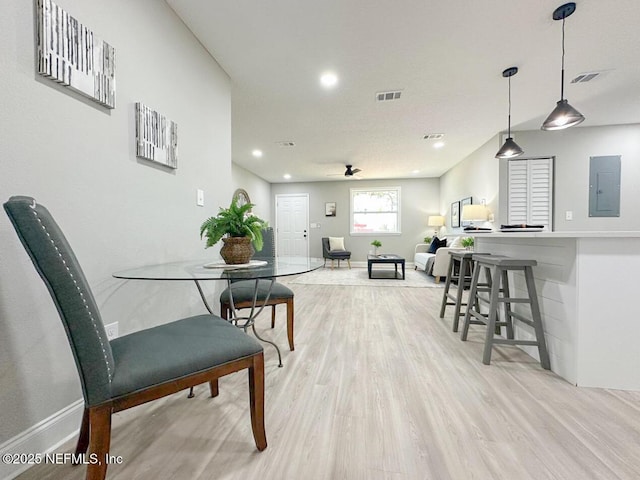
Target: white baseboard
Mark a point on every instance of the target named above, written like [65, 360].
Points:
[44, 437]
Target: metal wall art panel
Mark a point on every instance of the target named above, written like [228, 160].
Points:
[72, 55]
[156, 137]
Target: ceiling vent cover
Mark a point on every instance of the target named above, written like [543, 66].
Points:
[286, 144]
[386, 96]
[433, 136]
[586, 77]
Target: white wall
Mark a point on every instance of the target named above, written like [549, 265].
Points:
[419, 199]
[77, 158]
[259, 190]
[483, 176]
[476, 176]
[572, 149]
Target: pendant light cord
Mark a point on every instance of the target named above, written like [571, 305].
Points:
[562, 74]
[509, 122]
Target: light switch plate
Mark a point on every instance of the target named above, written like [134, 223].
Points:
[200, 198]
[568, 215]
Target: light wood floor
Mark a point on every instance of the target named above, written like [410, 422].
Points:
[380, 388]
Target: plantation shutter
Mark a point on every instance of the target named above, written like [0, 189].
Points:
[531, 192]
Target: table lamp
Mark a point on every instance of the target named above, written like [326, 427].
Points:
[435, 221]
[475, 213]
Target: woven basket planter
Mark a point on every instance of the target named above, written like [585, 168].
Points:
[236, 250]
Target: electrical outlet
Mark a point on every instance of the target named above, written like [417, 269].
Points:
[112, 330]
[568, 215]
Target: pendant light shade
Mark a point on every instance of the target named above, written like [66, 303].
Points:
[510, 148]
[564, 115]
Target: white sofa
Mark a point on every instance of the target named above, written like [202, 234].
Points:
[436, 267]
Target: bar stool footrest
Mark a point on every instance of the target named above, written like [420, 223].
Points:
[508, 341]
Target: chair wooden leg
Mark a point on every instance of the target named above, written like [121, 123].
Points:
[213, 388]
[332, 264]
[437, 279]
[256, 401]
[99, 441]
[290, 323]
[223, 311]
[349, 262]
[273, 316]
[83, 437]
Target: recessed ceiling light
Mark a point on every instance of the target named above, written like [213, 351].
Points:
[329, 80]
[438, 145]
[286, 176]
[415, 172]
[257, 153]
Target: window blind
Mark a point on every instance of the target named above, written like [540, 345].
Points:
[531, 192]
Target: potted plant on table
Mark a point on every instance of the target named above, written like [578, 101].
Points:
[238, 229]
[467, 243]
[376, 244]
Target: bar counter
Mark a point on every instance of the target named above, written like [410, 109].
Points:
[587, 289]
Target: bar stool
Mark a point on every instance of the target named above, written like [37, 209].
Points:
[498, 268]
[462, 259]
[465, 260]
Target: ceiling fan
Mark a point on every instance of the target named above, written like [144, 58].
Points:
[351, 172]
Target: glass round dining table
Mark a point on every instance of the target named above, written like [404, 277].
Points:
[202, 270]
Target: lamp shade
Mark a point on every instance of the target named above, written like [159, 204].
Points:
[510, 149]
[563, 116]
[435, 221]
[475, 212]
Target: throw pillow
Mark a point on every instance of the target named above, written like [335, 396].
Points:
[456, 243]
[435, 242]
[336, 243]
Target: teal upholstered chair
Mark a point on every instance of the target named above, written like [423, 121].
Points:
[135, 368]
[244, 290]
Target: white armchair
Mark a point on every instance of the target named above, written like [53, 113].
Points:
[436, 267]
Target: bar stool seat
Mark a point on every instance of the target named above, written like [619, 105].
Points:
[462, 279]
[497, 268]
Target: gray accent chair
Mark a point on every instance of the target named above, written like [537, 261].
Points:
[136, 368]
[243, 290]
[332, 255]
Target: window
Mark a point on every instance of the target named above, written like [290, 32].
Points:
[531, 192]
[375, 211]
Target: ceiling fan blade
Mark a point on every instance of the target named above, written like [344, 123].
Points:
[355, 170]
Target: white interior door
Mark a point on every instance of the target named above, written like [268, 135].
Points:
[292, 225]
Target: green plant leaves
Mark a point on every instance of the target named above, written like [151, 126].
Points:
[234, 221]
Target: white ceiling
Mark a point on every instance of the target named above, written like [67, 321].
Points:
[447, 57]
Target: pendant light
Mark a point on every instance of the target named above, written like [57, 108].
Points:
[510, 148]
[564, 115]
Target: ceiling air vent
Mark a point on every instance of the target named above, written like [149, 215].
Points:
[433, 136]
[585, 77]
[286, 144]
[386, 96]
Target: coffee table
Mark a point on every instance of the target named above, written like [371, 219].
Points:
[386, 258]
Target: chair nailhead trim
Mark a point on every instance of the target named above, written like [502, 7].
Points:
[86, 306]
